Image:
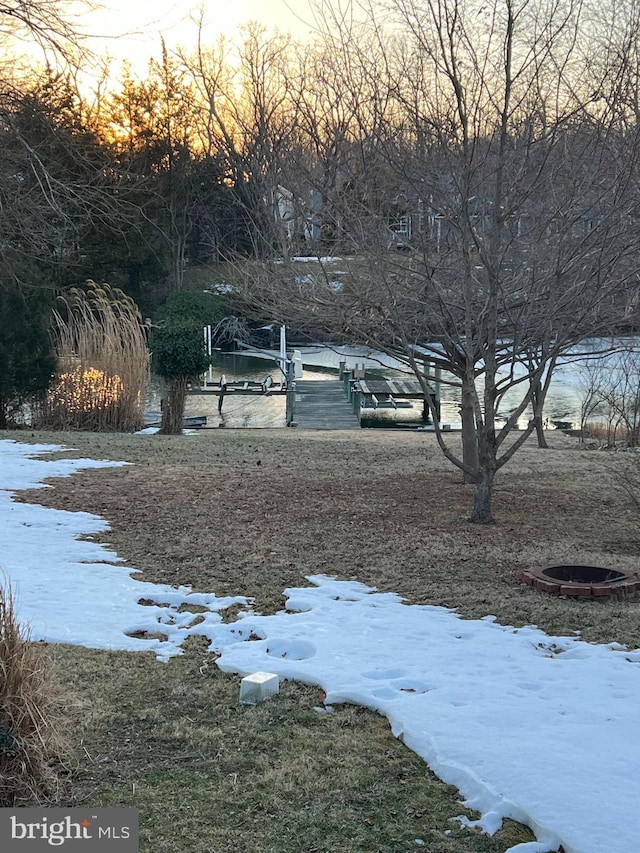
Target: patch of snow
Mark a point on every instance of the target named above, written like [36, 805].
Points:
[536, 728]
[70, 590]
[222, 289]
[315, 259]
[156, 430]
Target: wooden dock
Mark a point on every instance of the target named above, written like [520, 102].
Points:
[322, 404]
[189, 421]
[241, 386]
[390, 394]
[397, 388]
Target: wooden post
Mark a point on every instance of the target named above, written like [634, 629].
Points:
[426, 412]
[434, 390]
[291, 394]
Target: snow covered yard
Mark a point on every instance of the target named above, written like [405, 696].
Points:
[537, 728]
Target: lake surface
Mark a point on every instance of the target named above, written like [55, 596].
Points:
[321, 363]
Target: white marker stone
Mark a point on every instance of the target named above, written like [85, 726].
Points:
[258, 687]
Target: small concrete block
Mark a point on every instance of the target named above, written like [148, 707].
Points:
[258, 687]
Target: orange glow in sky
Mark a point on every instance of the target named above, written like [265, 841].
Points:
[132, 29]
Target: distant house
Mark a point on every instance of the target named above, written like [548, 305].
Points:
[426, 212]
[285, 210]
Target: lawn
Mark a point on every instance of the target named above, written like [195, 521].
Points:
[253, 512]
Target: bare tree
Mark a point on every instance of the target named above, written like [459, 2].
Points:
[248, 122]
[511, 252]
[53, 24]
[611, 394]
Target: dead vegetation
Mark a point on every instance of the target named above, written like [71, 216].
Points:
[30, 736]
[103, 362]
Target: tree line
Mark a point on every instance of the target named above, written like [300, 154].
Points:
[474, 165]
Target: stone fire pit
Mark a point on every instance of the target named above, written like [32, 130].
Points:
[583, 581]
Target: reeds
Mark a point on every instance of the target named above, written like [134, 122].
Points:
[612, 433]
[103, 362]
[29, 733]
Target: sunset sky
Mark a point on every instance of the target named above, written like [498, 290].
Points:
[131, 29]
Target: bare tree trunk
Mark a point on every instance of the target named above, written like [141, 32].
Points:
[469, 436]
[482, 513]
[542, 441]
[537, 402]
[539, 390]
[173, 409]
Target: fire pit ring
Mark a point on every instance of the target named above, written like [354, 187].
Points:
[583, 581]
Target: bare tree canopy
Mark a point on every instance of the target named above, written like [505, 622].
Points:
[479, 176]
[51, 23]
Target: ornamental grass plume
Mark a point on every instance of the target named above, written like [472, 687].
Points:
[29, 717]
[103, 362]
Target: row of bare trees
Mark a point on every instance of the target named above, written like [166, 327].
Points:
[610, 396]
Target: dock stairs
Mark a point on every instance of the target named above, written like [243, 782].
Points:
[322, 404]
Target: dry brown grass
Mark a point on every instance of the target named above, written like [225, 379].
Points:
[251, 512]
[103, 363]
[29, 716]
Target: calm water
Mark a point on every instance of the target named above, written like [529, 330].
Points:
[563, 400]
[240, 410]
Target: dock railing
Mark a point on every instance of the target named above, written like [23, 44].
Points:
[361, 397]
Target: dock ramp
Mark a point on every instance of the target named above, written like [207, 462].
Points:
[322, 404]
